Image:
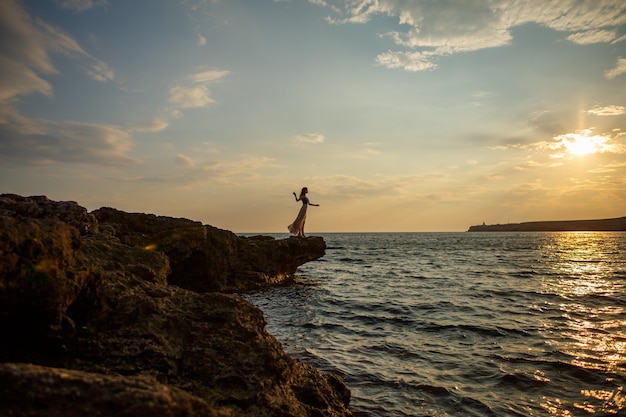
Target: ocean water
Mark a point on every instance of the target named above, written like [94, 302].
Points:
[463, 324]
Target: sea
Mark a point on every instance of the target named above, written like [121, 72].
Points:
[463, 324]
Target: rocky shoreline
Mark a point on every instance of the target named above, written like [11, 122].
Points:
[113, 313]
[600, 225]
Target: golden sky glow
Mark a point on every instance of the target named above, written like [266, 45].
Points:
[398, 116]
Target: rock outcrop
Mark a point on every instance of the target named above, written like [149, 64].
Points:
[205, 258]
[98, 317]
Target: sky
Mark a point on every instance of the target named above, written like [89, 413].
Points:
[398, 115]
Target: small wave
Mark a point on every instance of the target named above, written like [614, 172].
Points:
[467, 330]
[523, 382]
[352, 260]
[560, 370]
[461, 324]
[393, 349]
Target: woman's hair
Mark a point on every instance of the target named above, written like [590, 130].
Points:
[304, 191]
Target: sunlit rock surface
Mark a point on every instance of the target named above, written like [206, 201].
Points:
[87, 306]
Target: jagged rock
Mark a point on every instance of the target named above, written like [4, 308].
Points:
[98, 313]
[205, 258]
[40, 207]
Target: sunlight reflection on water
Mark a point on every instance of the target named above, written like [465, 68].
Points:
[593, 330]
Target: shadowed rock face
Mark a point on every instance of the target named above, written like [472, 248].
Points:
[86, 299]
[36, 390]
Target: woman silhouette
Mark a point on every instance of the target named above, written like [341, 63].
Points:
[297, 227]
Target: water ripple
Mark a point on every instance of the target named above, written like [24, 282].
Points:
[463, 324]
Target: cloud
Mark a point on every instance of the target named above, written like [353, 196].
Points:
[157, 125]
[428, 30]
[184, 160]
[209, 76]
[607, 110]
[80, 6]
[19, 80]
[609, 168]
[100, 71]
[44, 141]
[25, 48]
[619, 69]
[347, 186]
[310, 138]
[403, 188]
[195, 92]
[527, 165]
[236, 171]
[494, 177]
[190, 97]
[593, 36]
[22, 54]
[57, 41]
[409, 61]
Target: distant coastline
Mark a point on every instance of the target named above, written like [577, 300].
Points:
[600, 225]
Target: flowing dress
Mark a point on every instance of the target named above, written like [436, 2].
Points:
[297, 227]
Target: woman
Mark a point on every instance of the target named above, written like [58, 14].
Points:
[297, 227]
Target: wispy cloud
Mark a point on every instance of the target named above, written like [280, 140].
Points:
[620, 68]
[25, 49]
[34, 140]
[593, 36]
[58, 41]
[80, 6]
[429, 30]
[348, 186]
[310, 138]
[528, 165]
[156, 125]
[612, 110]
[23, 53]
[26, 46]
[241, 171]
[184, 160]
[209, 76]
[409, 61]
[195, 92]
[190, 97]
[609, 168]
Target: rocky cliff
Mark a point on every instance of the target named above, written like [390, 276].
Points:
[113, 313]
[600, 225]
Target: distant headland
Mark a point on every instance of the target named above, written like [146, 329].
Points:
[600, 225]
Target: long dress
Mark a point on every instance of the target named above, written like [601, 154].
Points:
[297, 227]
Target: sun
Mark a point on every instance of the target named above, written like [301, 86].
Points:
[583, 143]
